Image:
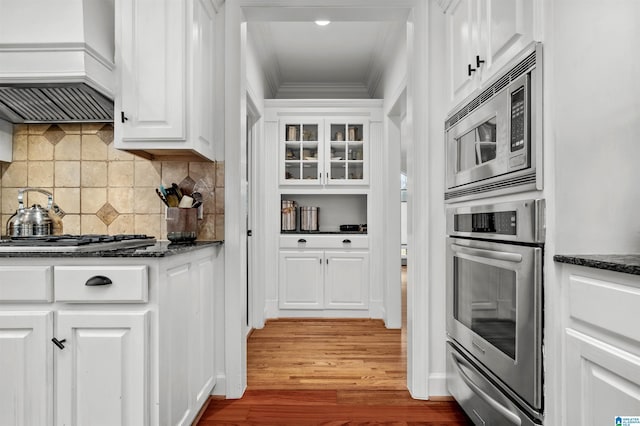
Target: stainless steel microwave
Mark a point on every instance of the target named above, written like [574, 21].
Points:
[493, 141]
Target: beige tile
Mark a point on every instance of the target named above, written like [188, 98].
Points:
[20, 147]
[71, 224]
[9, 201]
[122, 199]
[38, 129]
[93, 174]
[107, 214]
[39, 148]
[207, 228]
[219, 227]
[40, 173]
[68, 148]
[91, 128]
[147, 173]
[146, 201]
[67, 174]
[68, 199]
[91, 224]
[106, 133]
[203, 170]
[71, 128]
[174, 172]
[220, 174]
[33, 197]
[93, 148]
[20, 129]
[120, 173]
[123, 224]
[114, 154]
[54, 134]
[92, 199]
[14, 175]
[149, 224]
[219, 201]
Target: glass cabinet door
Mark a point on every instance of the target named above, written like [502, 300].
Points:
[300, 152]
[346, 152]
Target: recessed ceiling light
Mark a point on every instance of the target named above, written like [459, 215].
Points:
[322, 22]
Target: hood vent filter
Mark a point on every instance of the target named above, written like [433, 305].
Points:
[70, 103]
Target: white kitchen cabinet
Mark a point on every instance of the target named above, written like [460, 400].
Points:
[301, 279]
[165, 63]
[324, 151]
[101, 374]
[601, 357]
[137, 351]
[347, 280]
[482, 36]
[26, 387]
[324, 273]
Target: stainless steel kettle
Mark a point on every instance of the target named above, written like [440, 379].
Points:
[35, 221]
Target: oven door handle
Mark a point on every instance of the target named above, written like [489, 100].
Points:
[504, 411]
[489, 254]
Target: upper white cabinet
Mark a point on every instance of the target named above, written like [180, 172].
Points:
[165, 57]
[482, 36]
[324, 151]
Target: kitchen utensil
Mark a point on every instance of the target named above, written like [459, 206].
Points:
[162, 197]
[172, 197]
[177, 190]
[197, 199]
[309, 218]
[35, 221]
[186, 202]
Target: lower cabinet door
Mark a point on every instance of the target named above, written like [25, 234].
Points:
[101, 375]
[347, 280]
[301, 280]
[26, 366]
[602, 381]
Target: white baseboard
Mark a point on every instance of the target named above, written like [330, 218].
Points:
[438, 385]
[220, 388]
[271, 309]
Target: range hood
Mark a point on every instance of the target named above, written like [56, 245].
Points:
[56, 61]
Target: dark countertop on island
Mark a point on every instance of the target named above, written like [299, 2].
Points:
[626, 263]
[159, 249]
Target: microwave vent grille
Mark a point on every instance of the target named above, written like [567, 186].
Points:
[514, 184]
[521, 68]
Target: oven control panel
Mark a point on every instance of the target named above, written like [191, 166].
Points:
[502, 223]
[517, 119]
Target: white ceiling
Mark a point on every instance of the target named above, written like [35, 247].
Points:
[340, 57]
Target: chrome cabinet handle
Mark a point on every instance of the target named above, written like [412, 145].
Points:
[98, 280]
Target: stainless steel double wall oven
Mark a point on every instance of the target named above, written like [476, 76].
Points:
[495, 250]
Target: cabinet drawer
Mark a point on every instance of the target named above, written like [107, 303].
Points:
[342, 241]
[101, 284]
[25, 284]
[606, 304]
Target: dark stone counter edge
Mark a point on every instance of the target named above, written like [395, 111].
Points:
[159, 249]
[625, 263]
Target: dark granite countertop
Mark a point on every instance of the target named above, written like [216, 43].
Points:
[626, 263]
[159, 249]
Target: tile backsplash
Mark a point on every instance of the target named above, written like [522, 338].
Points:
[103, 190]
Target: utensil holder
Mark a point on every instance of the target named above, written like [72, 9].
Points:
[182, 224]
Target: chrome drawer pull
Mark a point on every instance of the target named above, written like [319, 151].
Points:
[98, 280]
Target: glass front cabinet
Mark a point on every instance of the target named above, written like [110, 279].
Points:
[324, 152]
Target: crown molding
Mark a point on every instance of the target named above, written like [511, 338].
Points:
[323, 91]
[263, 41]
[387, 40]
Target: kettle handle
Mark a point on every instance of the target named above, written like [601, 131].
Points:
[21, 192]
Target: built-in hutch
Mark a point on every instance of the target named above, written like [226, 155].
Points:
[324, 150]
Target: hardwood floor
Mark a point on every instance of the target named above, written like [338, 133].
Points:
[328, 372]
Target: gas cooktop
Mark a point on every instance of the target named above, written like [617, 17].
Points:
[75, 243]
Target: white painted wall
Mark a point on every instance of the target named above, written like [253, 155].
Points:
[595, 105]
